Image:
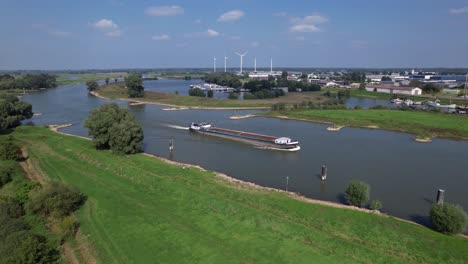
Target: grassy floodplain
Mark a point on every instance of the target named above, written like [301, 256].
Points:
[144, 210]
[66, 78]
[422, 124]
[118, 91]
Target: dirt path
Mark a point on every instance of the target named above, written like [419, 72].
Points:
[29, 169]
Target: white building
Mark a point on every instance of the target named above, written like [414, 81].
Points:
[264, 75]
[394, 89]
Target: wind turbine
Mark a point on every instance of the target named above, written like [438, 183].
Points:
[225, 60]
[271, 65]
[241, 60]
[214, 64]
[255, 64]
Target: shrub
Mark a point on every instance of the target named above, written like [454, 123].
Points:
[13, 111]
[378, 107]
[448, 218]
[56, 199]
[196, 92]
[209, 94]
[357, 193]
[357, 107]
[376, 205]
[8, 149]
[10, 208]
[233, 96]
[134, 85]
[69, 225]
[26, 247]
[93, 85]
[6, 172]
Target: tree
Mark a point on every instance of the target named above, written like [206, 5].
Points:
[362, 86]
[431, 88]
[57, 199]
[134, 85]
[448, 218]
[357, 193]
[92, 85]
[25, 247]
[416, 83]
[116, 80]
[284, 75]
[8, 149]
[386, 79]
[115, 128]
[107, 80]
[13, 111]
[210, 94]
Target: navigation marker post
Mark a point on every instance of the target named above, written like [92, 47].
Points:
[287, 183]
[324, 172]
[440, 196]
[171, 145]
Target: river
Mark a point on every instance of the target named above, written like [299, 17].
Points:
[403, 174]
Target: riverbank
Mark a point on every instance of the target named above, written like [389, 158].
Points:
[118, 91]
[425, 125]
[140, 209]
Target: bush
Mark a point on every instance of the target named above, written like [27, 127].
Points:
[357, 107]
[8, 149]
[93, 85]
[56, 199]
[448, 218]
[209, 94]
[233, 96]
[13, 111]
[115, 128]
[69, 226]
[357, 193]
[376, 205]
[196, 92]
[10, 208]
[378, 107]
[25, 247]
[278, 107]
[6, 171]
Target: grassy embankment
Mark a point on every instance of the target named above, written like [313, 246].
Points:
[141, 209]
[117, 91]
[64, 79]
[422, 124]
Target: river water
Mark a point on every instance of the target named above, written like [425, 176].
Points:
[403, 174]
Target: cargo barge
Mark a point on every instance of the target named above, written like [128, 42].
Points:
[278, 143]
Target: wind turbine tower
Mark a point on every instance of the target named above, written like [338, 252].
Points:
[241, 60]
[225, 60]
[255, 64]
[271, 65]
[214, 64]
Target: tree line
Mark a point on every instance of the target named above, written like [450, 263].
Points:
[28, 81]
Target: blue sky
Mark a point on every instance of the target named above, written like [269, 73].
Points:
[60, 34]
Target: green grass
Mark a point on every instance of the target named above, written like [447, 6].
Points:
[423, 124]
[117, 91]
[65, 79]
[143, 210]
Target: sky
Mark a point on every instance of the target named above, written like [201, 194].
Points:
[84, 34]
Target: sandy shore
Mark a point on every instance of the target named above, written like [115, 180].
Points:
[334, 128]
[241, 117]
[423, 140]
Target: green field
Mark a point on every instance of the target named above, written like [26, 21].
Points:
[143, 210]
[64, 79]
[422, 124]
[117, 91]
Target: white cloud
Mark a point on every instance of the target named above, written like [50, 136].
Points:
[231, 16]
[105, 25]
[300, 38]
[212, 33]
[304, 28]
[255, 44]
[198, 21]
[164, 10]
[462, 10]
[114, 33]
[235, 37]
[161, 37]
[313, 19]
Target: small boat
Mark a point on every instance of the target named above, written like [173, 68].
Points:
[279, 143]
[396, 101]
[408, 102]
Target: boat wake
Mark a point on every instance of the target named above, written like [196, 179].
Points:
[297, 148]
[176, 127]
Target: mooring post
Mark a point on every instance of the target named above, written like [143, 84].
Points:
[440, 196]
[171, 145]
[324, 172]
[287, 183]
